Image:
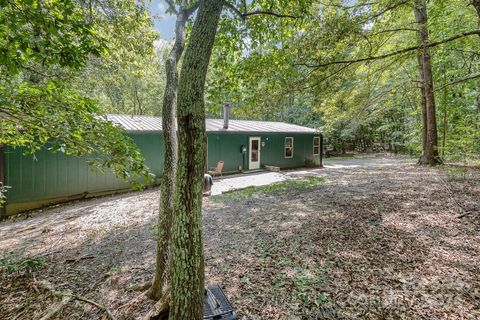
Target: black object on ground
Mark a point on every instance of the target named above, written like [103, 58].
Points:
[217, 306]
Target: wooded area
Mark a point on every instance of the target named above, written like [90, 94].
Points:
[392, 76]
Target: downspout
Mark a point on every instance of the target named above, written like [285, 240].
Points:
[321, 150]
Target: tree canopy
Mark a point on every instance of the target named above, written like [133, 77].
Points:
[351, 70]
[53, 62]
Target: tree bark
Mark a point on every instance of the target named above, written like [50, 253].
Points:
[162, 277]
[430, 151]
[423, 103]
[187, 246]
[445, 120]
[476, 5]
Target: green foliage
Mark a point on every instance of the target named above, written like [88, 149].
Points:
[456, 173]
[357, 105]
[292, 186]
[38, 33]
[44, 46]
[3, 191]
[130, 79]
[305, 283]
[17, 263]
[250, 60]
[307, 286]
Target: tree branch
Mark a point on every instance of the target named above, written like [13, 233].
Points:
[234, 9]
[67, 296]
[189, 11]
[172, 7]
[389, 8]
[394, 53]
[245, 15]
[395, 30]
[346, 7]
[470, 77]
[268, 13]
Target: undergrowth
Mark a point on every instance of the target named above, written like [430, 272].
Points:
[16, 263]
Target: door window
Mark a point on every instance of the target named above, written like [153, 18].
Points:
[254, 148]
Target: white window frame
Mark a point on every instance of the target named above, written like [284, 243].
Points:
[285, 148]
[254, 165]
[319, 144]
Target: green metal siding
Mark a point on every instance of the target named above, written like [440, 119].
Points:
[47, 175]
[226, 147]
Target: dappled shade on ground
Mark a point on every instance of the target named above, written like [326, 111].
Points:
[373, 241]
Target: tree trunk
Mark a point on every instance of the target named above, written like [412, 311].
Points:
[476, 5]
[477, 117]
[430, 149]
[423, 103]
[187, 246]
[162, 278]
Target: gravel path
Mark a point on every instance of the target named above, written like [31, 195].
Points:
[380, 240]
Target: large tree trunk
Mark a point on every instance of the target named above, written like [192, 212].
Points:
[430, 151]
[162, 279]
[187, 246]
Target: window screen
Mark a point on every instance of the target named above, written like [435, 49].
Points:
[316, 146]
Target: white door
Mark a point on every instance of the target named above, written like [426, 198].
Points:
[254, 153]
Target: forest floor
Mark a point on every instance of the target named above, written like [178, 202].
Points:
[377, 238]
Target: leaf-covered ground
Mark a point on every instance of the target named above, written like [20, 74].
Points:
[379, 239]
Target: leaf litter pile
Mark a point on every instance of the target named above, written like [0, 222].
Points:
[360, 242]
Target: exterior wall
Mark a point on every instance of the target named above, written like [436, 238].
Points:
[45, 177]
[226, 147]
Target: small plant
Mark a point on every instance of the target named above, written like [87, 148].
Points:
[115, 270]
[457, 173]
[305, 284]
[3, 190]
[17, 263]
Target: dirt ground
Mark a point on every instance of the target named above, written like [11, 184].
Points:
[381, 239]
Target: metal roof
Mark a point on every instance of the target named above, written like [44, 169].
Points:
[154, 124]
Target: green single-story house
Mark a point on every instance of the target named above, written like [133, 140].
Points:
[46, 178]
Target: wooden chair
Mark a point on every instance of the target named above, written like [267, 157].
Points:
[216, 171]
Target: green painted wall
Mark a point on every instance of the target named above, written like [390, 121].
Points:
[47, 175]
[226, 147]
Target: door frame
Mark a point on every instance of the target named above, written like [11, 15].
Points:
[257, 164]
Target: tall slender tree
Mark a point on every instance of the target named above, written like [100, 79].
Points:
[187, 245]
[162, 280]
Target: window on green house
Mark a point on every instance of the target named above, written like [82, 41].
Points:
[289, 147]
[316, 146]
